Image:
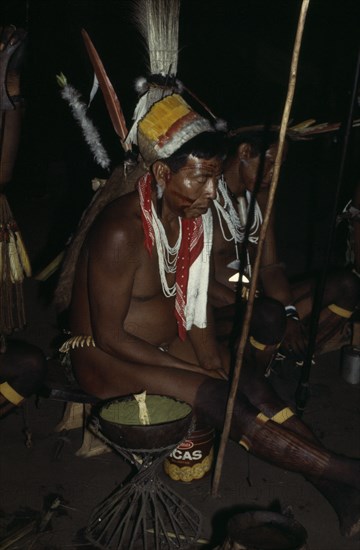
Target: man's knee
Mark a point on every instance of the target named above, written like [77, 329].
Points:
[268, 321]
[347, 290]
[351, 286]
[210, 406]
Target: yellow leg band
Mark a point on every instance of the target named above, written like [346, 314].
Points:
[260, 346]
[262, 418]
[244, 442]
[10, 394]
[340, 311]
[256, 344]
[282, 416]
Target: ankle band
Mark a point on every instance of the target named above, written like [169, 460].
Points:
[244, 442]
[340, 311]
[10, 394]
[256, 344]
[282, 416]
[262, 418]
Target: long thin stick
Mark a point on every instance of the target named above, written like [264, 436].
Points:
[253, 284]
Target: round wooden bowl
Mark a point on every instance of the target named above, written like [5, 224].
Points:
[170, 422]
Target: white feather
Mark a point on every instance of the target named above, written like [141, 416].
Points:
[158, 23]
[141, 85]
[94, 89]
[221, 125]
[92, 138]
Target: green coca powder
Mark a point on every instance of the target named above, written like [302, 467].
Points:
[160, 408]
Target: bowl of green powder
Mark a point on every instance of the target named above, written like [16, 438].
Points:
[121, 421]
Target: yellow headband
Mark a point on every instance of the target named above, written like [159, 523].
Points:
[167, 125]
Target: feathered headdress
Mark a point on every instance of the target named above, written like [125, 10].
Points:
[158, 23]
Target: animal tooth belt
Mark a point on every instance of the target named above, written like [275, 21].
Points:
[77, 342]
[80, 341]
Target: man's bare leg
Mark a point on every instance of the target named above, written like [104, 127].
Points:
[343, 498]
[105, 377]
[290, 446]
[273, 442]
[341, 298]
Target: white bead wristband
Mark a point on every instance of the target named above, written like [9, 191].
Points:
[292, 312]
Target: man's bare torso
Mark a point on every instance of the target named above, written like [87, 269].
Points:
[151, 314]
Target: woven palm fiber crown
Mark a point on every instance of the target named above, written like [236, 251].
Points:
[169, 124]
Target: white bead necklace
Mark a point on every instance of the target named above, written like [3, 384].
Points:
[257, 220]
[167, 254]
[230, 216]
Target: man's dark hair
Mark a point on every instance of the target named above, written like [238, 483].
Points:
[260, 139]
[204, 146]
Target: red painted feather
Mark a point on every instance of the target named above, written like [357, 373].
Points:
[110, 97]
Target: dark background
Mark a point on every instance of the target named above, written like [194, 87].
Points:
[235, 55]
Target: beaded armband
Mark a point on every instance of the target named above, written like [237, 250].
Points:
[292, 312]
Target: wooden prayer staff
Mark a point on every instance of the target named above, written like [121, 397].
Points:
[302, 392]
[253, 282]
[14, 262]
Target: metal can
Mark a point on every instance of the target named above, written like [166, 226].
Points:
[193, 458]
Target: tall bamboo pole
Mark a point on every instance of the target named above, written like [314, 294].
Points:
[254, 277]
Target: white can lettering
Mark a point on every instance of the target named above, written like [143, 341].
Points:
[197, 455]
[186, 455]
[176, 454]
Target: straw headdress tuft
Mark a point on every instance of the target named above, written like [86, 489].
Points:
[158, 23]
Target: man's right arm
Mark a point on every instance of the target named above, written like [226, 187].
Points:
[276, 285]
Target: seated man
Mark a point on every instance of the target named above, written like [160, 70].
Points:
[139, 314]
[22, 371]
[240, 183]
